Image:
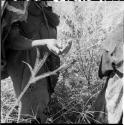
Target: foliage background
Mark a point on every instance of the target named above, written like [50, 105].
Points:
[86, 24]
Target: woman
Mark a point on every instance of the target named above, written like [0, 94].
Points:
[27, 25]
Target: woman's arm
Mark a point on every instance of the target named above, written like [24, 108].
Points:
[17, 41]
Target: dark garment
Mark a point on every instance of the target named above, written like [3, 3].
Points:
[21, 34]
[17, 47]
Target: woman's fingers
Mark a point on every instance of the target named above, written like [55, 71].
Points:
[58, 46]
[55, 50]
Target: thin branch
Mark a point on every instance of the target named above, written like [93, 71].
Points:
[40, 64]
[94, 119]
[33, 73]
[48, 74]
[33, 80]
[90, 98]
[29, 66]
[98, 112]
[37, 57]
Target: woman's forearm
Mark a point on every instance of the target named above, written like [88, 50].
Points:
[40, 42]
[17, 41]
[22, 43]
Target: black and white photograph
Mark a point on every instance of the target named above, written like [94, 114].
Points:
[62, 62]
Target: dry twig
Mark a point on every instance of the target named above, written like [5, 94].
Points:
[33, 79]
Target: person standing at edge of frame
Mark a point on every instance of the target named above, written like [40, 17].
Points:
[25, 26]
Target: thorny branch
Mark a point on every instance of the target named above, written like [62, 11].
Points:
[38, 64]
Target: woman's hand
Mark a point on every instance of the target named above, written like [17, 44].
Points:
[53, 46]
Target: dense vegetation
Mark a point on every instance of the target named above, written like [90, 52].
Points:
[86, 24]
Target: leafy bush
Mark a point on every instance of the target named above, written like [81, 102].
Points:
[86, 24]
